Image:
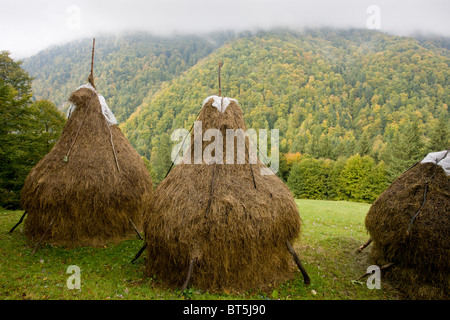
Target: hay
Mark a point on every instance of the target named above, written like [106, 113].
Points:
[89, 198]
[240, 243]
[423, 257]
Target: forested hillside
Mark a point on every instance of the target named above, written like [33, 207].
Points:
[127, 68]
[347, 98]
[330, 93]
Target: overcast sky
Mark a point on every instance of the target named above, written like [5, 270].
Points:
[28, 26]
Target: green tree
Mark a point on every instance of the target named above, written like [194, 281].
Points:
[28, 130]
[48, 125]
[16, 116]
[161, 159]
[307, 179]
[404, 150]
[335, 191]
[361, 179]
[364, 145]
[440, 134]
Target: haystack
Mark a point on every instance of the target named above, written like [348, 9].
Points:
[223, 227]
[410, 226]
[91, 188]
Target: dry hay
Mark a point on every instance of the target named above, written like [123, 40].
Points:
[422, 258]
[88, 199]
[240, 243]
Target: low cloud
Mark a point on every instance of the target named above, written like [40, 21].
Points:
[29, 26]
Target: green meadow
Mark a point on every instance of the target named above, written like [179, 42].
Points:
[332, 231]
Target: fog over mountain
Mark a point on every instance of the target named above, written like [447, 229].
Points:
[30, 26]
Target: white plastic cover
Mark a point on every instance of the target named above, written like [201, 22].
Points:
[218, 102]
[441, 158]
[109, 116]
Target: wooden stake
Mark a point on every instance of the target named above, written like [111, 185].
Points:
[365, 245]
[139, 252]
[91, 76]
[220, 89]
[291, 250]
[48, 228]
[182, 145]
[208, 207]
[188, 277]
[135, 229]
[386, 266]
[18, 223]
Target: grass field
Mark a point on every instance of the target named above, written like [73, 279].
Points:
[332, 232]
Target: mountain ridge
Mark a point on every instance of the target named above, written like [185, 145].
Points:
[330, 92]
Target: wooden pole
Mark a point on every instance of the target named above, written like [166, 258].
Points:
[139, 252]
[291, 250]
[220, 88]
[91, 76]
[365, 245]
[135, 229]
[48, 228]
[208, 207]
[188, 277]
[386, 266]
[18, 223]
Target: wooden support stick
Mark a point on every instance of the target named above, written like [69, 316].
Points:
[91, 76]
[182, 144]
[365, 245]
[42, 238]
[386, 266]
[139, 252]
[306, 278]
[208, 207]
[92, 60]
[18, 223]
[220, 88]
[188, 277]
[135, 229]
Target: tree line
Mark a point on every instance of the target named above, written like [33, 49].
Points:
[28, 129]
[356, 107]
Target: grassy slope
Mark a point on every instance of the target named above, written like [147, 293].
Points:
[332, 232]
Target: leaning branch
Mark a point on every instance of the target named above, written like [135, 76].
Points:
[18, 223]
[139, 252]
[365, 245]
[189, 274]
[91, 76]
[386, 266]
[42, 238]
[135, 229]
[291, 250]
